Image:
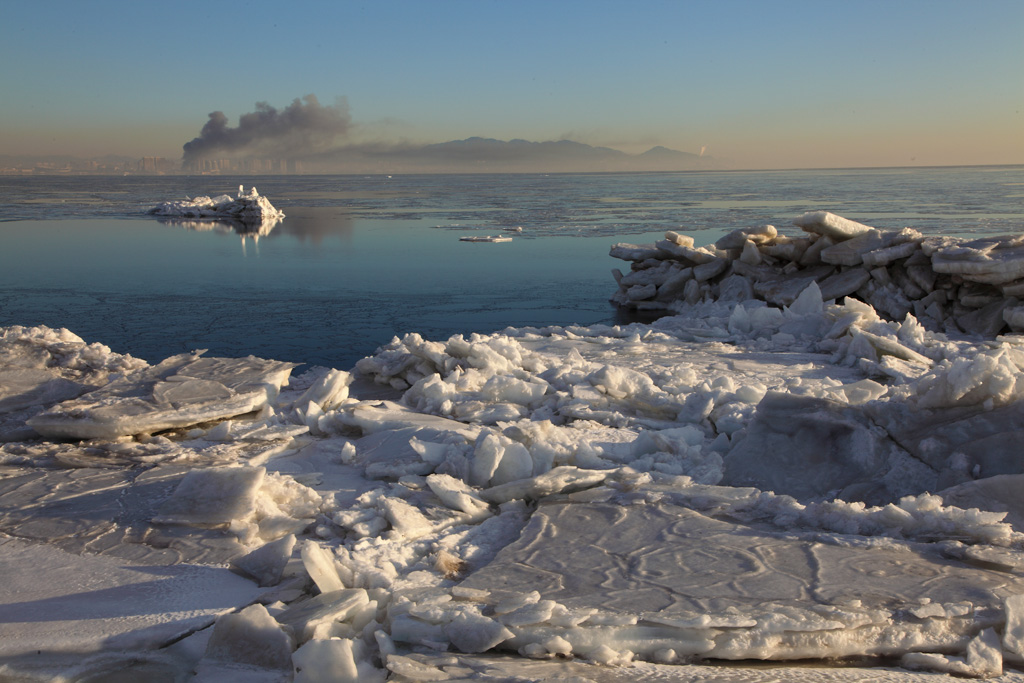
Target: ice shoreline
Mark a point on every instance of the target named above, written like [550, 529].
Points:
[476, 501]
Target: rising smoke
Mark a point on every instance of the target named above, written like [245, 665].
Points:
[305, 127]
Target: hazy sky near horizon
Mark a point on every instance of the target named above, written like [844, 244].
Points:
[766, 84]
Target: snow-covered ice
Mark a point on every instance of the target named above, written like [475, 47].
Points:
[249, 208]
[181, 391]
[814, 462]
[947, 283]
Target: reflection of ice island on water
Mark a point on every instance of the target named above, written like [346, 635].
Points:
[249, 214]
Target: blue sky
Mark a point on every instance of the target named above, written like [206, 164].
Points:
[760, 84]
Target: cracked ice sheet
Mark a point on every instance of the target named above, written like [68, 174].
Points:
[655, 354]
[490, 667]
[88, 603]
[720, 590]
[181, 391]
[106, 511]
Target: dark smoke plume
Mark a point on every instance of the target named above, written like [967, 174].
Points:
[302, 128]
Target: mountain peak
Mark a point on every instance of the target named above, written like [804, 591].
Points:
[662, 152]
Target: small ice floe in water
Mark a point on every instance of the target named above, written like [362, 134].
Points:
[485, 238]
[247, 207]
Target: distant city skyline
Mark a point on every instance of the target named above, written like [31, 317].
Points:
[456, 156]
[788, 84]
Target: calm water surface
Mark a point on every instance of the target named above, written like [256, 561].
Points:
[359, 259]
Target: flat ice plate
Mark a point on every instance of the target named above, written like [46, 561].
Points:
[673, 567]
[53, 601]
[503, 668]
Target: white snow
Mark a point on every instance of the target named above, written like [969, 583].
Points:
[810, 461]
[246, 207]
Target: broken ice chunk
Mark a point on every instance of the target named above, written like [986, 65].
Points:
[413, 670]
[863, 391]
[250, 637]
[516, 463]
[983, 660]
[212, 496]
[248, 208]
[807, 447]
[406, 519]
[1013, 633]
[558, 480]
[308, 617]
[471, 633]
[267, 563]
[336, 660]
[321, 567]
[514, 602]
[993, 260]
[319, 661]
[527, 615]
[486, 457]
[456, 494]
[26, 387]
[328, 391]
[179, 392]
[830, 225]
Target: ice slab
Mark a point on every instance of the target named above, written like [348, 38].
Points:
[162, 515]
[653, 577]
[210, 497]
[56, 601]
[1000, 493]
[811, 448]
[372, 417]
[993, 260]
[24, 388]
[266, 564]
[40, 367]
[181, 391]
[502, 667]
[960, 443]
[250, 637]
[830, 225]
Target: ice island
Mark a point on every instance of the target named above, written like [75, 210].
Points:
[810, 461]
[246, 207]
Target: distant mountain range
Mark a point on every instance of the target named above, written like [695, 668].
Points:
[490, 155]
[472, 155]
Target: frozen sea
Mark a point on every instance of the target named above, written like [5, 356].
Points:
[360, 259]
[807, 469]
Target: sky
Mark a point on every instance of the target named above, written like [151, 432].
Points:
[758, 84]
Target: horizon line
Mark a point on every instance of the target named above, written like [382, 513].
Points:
[496, 172]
